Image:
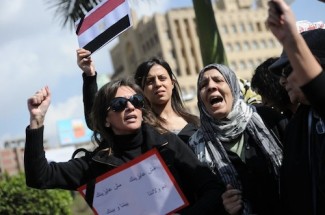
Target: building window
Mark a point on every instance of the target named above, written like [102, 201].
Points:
[178, 72]
[250, 64]
[168, 34]
[233, 28]
[241, 28]
[237, 47]
[255, 45]
[233, 66]
[183, 52]
[156, 38]
[187, 26]
[258, 26]
[246, 46]
[188, 72]
[173, 54]
[197, 69]
[250, 27]
[242, 65]
[263, 44]
[259, 61]
[192, 52]
[224, 29]
[229, 47]
[178, 29]
[271, 43]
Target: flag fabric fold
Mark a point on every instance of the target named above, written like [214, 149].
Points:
[103, 23]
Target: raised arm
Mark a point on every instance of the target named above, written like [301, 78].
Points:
[38, 105]
[85, 62]
[282, 22]
[89, 88]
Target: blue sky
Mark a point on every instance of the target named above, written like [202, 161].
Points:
[37, 51]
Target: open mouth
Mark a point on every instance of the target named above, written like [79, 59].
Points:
[216, 100]
[130, 117]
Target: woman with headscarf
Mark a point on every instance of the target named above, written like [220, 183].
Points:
[124, 129]
[235, 143]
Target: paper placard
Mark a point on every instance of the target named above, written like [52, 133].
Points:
[143, 186]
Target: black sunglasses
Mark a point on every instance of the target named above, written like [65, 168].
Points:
[118, 104]
[286, 71]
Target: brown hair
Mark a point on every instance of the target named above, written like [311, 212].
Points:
[104, 96]
[177, 102]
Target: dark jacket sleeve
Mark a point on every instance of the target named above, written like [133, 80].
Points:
[42, 175]
[315, 93]
[89, 90]
[197, 178]
[187, 132]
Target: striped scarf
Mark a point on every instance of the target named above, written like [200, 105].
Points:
[214, 132]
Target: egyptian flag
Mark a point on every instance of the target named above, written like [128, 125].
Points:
[103, 23]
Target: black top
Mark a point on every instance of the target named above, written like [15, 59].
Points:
[274, 120]
[89, 90]
[303, 169]
[202, 188]
[260, 185]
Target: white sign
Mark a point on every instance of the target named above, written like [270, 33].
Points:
[142, 186]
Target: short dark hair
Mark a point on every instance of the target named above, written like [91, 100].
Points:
[315, 40]
[268, 86]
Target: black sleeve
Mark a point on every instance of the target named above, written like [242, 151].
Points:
[187, 132]
[198, 180]
[43, 175]
[274, 120]
[315, 93]
[89, 90]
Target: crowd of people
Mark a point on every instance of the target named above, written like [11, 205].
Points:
[235, 158]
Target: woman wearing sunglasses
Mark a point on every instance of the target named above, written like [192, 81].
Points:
[124, 128]
[160, 87]
[301, 67]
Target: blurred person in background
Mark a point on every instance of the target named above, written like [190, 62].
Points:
[301, 67]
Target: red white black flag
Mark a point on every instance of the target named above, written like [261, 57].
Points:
[103, 23]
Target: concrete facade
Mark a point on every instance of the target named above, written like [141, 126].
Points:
[173, 37]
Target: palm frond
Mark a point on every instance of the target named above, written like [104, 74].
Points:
[69, 11]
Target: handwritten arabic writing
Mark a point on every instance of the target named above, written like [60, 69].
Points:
[108, 190]
[117, 208]
[156, 190]
[138, 177]
[144, 187]
[142, 174]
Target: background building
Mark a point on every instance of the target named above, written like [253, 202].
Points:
[173, 37]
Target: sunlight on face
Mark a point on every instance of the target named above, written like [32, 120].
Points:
[158, 85]
[215, 94]
[127, 121]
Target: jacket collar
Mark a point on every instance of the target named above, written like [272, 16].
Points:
[151, 138]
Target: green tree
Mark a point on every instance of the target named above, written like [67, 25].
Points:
[212, 49]
[17, 198]
[69, 11]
